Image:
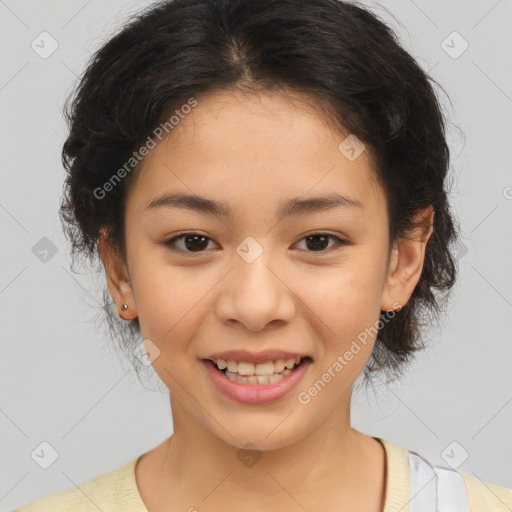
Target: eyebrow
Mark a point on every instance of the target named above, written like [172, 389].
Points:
[293, 206]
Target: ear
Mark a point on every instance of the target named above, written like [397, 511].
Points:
[118, 279]
[406, 262]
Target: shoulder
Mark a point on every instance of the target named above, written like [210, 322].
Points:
[103, 492]
[484, 496]
[454, 489]
[415, 484]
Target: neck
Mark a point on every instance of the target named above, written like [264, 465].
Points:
[334, 460]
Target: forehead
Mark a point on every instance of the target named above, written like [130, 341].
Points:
[266, 147]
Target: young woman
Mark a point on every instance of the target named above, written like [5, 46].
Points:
[265, 185]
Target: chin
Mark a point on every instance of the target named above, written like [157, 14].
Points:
[261, 434]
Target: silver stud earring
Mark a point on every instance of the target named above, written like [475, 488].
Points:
[124, 307]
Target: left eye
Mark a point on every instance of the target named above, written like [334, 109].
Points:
[197, 243]
[319, 240]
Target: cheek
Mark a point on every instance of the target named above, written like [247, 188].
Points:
[351, 286]
[344, 302]
[169, 305]
[169, 298]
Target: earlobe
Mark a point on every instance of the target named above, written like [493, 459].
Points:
[118, 280]
[406, 262]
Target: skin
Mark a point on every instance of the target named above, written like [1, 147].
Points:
[253, 152]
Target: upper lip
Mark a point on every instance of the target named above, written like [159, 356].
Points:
[255, 357]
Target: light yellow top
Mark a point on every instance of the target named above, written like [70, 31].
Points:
[117, 491]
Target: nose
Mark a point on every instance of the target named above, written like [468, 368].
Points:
[256, 294]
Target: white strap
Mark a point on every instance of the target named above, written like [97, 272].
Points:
[435, 488]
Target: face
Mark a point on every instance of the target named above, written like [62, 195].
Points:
[287, 259]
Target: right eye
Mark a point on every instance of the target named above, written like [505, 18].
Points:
[192, 243]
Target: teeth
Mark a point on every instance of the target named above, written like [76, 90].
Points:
[289, 363]
[274, 378]
[279, 365]
[245, 368]
[267, 369]
[264, 379]
[262, 368]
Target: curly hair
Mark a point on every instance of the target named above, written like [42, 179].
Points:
[337, 52]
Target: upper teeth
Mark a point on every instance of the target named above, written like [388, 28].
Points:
[266, 368]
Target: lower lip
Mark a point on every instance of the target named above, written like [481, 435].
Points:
[256, 393]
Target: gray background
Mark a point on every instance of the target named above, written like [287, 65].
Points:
[60, 381]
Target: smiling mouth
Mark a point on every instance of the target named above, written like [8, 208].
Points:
[268, 372]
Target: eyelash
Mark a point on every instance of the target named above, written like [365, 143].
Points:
[172, 241]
